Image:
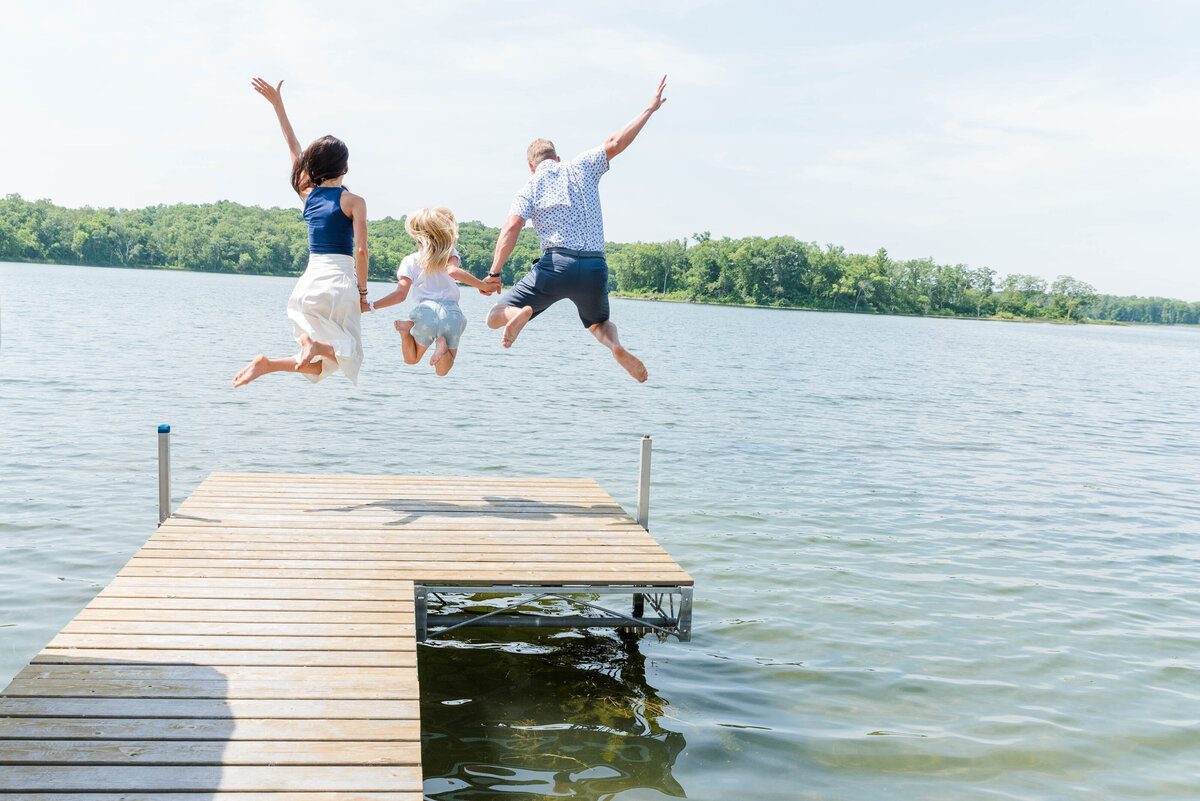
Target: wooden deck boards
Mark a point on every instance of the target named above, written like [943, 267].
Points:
[270, 622]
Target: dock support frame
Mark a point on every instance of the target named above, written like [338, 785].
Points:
[421, 607]
[672, 603]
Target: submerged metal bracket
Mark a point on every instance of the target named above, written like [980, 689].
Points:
[667, 623]
[421, 607]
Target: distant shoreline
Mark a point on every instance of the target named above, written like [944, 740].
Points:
[659, 299]
[1046, 320]
[654, 299]
[778, 272]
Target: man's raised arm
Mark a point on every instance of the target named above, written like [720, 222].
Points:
[623, 138]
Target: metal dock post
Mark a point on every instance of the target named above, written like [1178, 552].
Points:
[683, 624]
[643, 510]
[643, 502]
[164, 472]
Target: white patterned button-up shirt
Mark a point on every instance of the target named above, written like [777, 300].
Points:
[563, 201]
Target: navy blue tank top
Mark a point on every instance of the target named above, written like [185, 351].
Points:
[329, 229]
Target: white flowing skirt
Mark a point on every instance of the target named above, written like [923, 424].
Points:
[325, 306]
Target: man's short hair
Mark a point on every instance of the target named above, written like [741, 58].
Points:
[540, 150]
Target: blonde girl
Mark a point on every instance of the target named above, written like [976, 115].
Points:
[432, 275]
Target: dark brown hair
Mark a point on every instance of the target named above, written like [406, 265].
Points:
[325, 158]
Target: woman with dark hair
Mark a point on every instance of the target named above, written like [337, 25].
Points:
[325, 309]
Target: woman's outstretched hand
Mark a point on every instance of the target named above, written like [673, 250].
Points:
[271, 93]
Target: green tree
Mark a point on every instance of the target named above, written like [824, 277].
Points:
[1070, 294]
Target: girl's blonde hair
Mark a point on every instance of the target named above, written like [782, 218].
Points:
[436, 232]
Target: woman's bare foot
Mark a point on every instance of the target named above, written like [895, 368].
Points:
[515, 325]
[308, 349]
[439, 350]
[257, 366]
[632, 364]
[404, 326]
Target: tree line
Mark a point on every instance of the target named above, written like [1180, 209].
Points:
[220, 237]
[777, 271]
[785, 271]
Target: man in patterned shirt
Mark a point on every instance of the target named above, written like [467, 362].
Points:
[563, 201]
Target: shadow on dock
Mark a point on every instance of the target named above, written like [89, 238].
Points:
[559, 715]
[74, 725]
[496, 506]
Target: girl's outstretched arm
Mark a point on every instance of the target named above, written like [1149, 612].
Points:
[397, 295]
[271, 93]
[463, 277]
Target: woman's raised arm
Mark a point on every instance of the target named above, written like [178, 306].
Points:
[271, 93]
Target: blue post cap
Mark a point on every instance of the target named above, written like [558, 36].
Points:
[164, 429]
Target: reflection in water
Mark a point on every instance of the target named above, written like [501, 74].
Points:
[542, 715]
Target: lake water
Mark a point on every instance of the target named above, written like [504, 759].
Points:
[934, 559]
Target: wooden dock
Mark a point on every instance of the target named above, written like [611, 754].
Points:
[263, 641]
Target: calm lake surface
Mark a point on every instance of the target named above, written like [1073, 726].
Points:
[934, 559]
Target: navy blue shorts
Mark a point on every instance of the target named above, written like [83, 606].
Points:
[555, 276]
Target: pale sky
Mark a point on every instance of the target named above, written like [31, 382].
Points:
[1027, 137]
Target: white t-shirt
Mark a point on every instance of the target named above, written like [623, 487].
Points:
[427, 286]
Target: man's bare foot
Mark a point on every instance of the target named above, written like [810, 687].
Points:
[515, 325]
[256, 367]
[439, 350]
[632, 364]
[404, 326]
[308, 349]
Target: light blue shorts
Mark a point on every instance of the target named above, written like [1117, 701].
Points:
[437, 318]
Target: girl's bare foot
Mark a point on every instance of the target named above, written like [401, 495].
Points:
[515, 325]
[632, 364]
[256, 367]
[439, 350]
[308, 349]
[443, 367]
[404, 326]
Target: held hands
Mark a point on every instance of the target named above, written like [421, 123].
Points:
[492, 284]
[658, 100]
[271, 93]
[364, 305]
